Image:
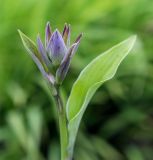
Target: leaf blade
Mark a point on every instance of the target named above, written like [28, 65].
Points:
[90, 79]
[33, 52]
[29, 44]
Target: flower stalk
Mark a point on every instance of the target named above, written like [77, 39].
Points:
[62, 125]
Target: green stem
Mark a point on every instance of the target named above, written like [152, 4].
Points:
[62, 126]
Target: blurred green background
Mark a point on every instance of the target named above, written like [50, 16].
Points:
[118, 124]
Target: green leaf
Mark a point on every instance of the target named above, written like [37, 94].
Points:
[33, 52]
[90, 79]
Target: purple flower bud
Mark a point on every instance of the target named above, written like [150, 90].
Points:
[64, 30]
[78, 38]
[66, 34]
[42, 51]
[48, 34]
[56, 48]
[64, 67]
[56, 54]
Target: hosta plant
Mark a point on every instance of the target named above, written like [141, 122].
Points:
[53, 58]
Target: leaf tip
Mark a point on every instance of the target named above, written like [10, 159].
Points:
[133, 39]
[22, 35]
[20, 32]
[130, 42]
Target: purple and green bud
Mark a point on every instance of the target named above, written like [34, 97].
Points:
[48, 34]
[56, 53]
[56, 48]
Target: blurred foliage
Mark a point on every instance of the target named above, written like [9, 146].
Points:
[118, 124]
